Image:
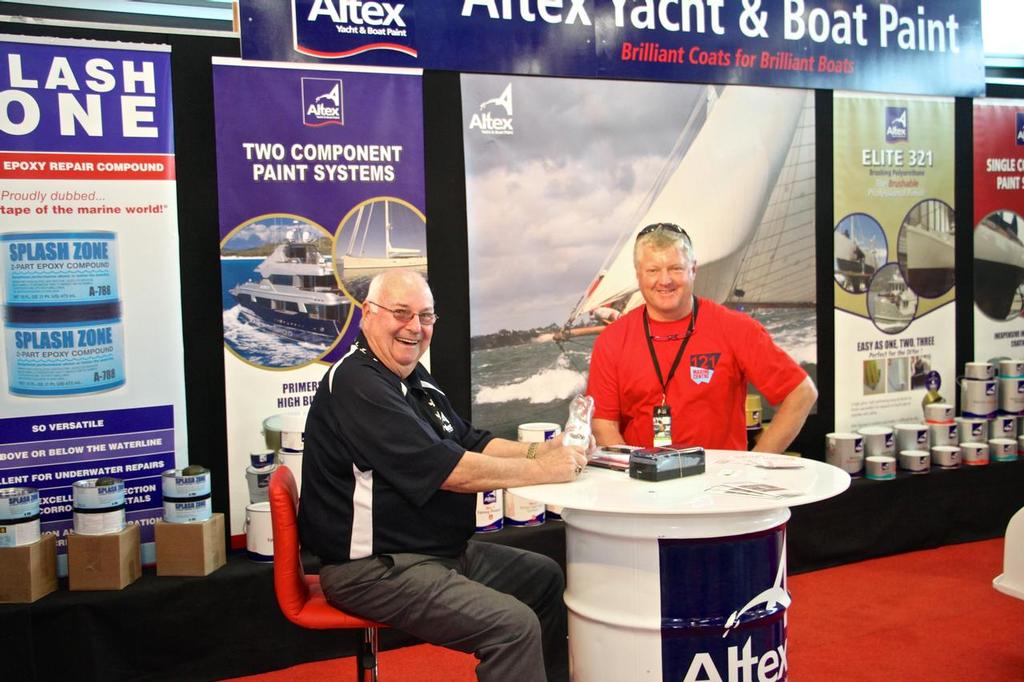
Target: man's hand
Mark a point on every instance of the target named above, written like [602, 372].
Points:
[562, 463]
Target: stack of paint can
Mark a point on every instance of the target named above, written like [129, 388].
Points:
[19, 516]
[285, 434]
[257, 475]
[912, 447]
[943, 435]
[98, 506]
[187, 494]
[879, 453]
[61, 292]
[1011, 404]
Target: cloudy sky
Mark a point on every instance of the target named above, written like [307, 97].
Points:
[548, 203]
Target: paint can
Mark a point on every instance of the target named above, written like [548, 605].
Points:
[878, 441]
[979, 370]
[62, 351]
[880, 468]
[1002, 449]
[293, 460]
[19, 516]
[846, 451]
[753, 411]
[1011, 368]
[971, 429]
[946, 456]
[1011, 395]
[915, 461]
[259, 532]
[939, 413]
[520, 511]
[285, 430]
[186, 494]
[490, 511]
[98, 506]
[257, 474]
[943, 434]
[974, 454]
[911, 437]
[1002, 426]
[978, 398]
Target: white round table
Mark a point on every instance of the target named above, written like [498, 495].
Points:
[683, 579]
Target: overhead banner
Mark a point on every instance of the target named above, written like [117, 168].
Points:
[92, 382]
[320, 184]
[893, 264]
[998, 229]
[588, 168]
[899, 46]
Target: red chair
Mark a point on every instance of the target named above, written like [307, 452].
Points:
[299, 595]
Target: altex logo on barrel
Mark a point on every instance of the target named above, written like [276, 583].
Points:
[743, 665]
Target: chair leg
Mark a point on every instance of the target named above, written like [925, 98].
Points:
[366, 661]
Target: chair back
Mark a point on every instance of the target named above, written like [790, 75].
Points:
[289, 577]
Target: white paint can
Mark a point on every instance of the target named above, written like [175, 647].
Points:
[880, 467]
[878, 441]
[19, 516]
[1011, 395]
[939, 413]
[915, 461]
[943, 434]
[978, 398]
[1002, 449]
[979, 370]
[490, 511]
[946, 456]
[846, 451]
[1011, 368]
[186, 494]
[285, 430]
[1002, 426]
[259, 532]
[98, 506]
[520, 511]
[971, 429]
[911, 436]
[974, 454]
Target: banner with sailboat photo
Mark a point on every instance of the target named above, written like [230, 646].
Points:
[893, 264]
[998, 229]
[320, 187]
[562, 174]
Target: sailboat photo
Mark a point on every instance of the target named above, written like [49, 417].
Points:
[999, 265]
[377, 217]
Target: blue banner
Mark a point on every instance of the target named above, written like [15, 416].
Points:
[898, 46]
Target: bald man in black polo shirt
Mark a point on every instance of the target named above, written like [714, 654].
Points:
[388, 503]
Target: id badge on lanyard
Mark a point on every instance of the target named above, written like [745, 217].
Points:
[662, 425]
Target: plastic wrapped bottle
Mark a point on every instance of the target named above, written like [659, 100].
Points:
[577, 428]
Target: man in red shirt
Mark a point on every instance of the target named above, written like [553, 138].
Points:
[680, 365]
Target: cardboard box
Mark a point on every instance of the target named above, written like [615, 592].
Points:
[104, 562]
[28, 572]
[195, 548]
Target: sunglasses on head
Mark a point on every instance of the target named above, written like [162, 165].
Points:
[664, 227]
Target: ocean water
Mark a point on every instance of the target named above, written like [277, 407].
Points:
[537, 381]
[256, 340]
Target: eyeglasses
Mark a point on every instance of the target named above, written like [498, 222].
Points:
[665, 227]
[404, 316]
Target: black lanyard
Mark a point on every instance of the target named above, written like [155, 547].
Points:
[679, 354]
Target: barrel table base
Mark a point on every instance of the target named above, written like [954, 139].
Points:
[680, 598]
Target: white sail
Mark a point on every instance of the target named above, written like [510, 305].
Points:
[718, 192]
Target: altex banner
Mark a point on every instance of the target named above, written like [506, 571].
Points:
[998, 229]
[320, 184]
[893, 258]
[92, 380]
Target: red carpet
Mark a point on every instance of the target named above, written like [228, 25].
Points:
[925, 616]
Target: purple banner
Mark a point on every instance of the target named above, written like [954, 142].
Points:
[321, 186]
[900, 46]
